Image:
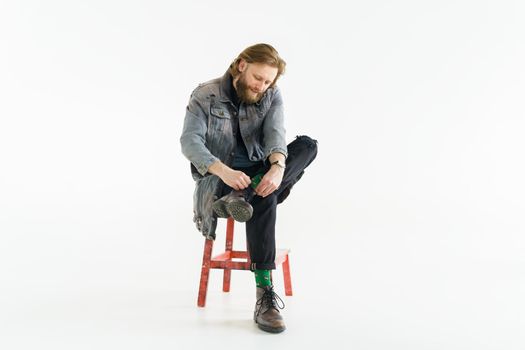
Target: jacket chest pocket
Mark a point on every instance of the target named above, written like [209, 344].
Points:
[262, 109]
[219, 119]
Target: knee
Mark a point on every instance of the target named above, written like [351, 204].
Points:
[307, 145]
[306, 140]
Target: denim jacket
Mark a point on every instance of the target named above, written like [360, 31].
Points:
[208, 135]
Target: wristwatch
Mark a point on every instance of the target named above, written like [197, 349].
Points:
[279, 164]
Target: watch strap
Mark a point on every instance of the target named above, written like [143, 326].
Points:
[279, 164]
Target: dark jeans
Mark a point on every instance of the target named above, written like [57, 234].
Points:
[260, 229]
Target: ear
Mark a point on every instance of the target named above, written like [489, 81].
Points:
[242, 65]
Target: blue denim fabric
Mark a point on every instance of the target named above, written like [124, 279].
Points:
[208, 136]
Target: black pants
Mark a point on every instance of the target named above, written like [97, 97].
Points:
[260, 229]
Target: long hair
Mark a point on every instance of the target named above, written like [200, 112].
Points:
[259, 53]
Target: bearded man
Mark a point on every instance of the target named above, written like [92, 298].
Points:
[234, 137]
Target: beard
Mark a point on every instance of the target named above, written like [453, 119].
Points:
[244, 93]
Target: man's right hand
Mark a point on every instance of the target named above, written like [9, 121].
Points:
[234, 178]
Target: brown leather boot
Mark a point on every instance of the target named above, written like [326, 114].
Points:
[266, 314]
[235, 205]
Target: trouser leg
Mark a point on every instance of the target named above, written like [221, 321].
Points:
[260, 229]
[301, 152]
[260, 232]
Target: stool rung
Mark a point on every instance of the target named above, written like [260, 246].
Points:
[225, 261]
[232, 265]
[231, 254]
[239, 254]
[227, 255]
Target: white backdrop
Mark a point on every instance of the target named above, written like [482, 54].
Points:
[407, 232]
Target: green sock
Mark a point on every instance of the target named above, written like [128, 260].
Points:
[256, 179]
[262, 278]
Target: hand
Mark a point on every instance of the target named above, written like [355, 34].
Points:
[270, 181]
[235, 179]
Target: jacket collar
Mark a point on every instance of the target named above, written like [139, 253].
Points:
[226, 88]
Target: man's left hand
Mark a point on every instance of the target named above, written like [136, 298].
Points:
[270, 181]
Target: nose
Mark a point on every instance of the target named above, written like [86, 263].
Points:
[259, 86]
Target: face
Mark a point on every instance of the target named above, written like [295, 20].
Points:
[254, 80]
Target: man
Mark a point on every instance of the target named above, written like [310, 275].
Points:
[234, 138]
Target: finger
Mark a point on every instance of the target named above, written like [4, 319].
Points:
[258, 190]
[267, 191]
[263, 184]
[241, 181]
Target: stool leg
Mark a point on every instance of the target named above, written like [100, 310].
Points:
[226, 280]
[229, 247]
[205, 272]
[287, 277]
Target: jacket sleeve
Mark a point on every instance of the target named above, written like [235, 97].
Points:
[273, 128]
[193, 138]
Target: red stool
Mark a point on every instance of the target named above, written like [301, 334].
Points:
[224, 261]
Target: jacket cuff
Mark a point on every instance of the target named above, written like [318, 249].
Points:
[202, 167]
[281, 150]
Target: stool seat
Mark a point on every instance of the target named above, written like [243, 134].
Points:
[225, 262]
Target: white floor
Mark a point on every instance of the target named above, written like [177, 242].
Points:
[344, 294]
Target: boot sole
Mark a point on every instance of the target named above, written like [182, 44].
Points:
[240, 210]
[219, 207]
[270, 329]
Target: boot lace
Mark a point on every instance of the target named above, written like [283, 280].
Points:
[269, 299]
